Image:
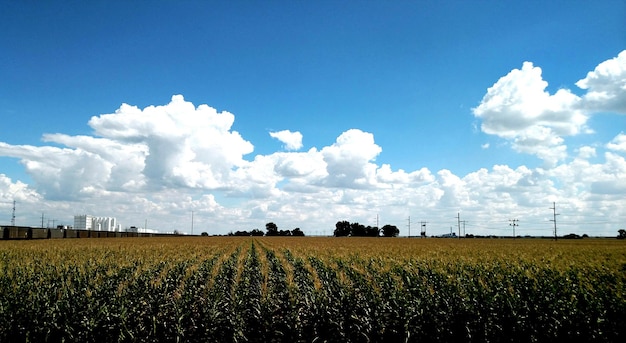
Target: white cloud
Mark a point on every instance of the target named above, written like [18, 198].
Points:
[162, 162]
[518, 108]
[606, 86]
[186, 146]
[618, 143]
[586, 152]
[349, 160]
[16, 191]
[292, 140]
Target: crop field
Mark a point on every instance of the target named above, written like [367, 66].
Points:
[290, 289]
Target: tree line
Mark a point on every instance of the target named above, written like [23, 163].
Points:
[271, 230]
[344, 229]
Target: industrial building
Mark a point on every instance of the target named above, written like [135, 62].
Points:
[88, 222]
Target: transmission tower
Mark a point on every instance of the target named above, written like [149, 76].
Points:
[13, 215]
[13, 211]
[553, 208]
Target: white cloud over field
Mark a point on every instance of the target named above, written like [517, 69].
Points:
[159, 163]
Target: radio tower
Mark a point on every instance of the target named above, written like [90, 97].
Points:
[13, 215]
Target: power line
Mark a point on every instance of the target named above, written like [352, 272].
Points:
[514, 223]
[464, 222]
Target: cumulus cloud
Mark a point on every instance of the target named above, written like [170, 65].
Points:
[518, 108]
[185, 145]
[349, 160]
[16, 191]
[291, 140]
[606, 86]
[155, 148]
[61, 173]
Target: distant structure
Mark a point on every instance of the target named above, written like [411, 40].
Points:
[88, 222]
[448, 235]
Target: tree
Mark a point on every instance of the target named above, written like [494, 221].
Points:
[357, 230]
[256, 232]
[372, 231]
[272, 229]
[297, 232]
[342, 229]
[622, 234]
[390, 231]
[204, 234]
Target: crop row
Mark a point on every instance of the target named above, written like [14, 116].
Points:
[276, 289]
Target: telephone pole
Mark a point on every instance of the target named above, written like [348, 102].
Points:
[553, 208]
[514, 223]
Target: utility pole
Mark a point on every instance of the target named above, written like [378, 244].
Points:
[42, 219]
[514, 223]
[463, 221]
[553, 208]
[377, 226]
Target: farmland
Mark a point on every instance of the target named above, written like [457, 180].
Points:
[303, 289]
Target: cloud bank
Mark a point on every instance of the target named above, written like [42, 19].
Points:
[158, 164]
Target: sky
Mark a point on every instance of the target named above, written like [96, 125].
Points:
[210, 116]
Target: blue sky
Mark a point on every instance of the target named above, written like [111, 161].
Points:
[404, 83]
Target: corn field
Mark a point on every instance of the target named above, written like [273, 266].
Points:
[273, 289]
